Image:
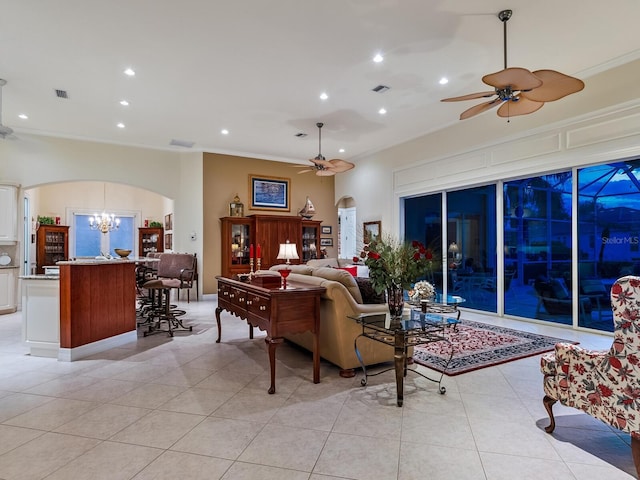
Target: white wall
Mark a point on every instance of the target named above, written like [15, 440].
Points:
[32, 160]
[598, 124]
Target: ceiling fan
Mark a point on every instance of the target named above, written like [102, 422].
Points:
[517, 90]
[4, 131]
[324, 167]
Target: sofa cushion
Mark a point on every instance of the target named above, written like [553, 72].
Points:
[300, 269]
[345, 278]
[369, 295]
[323, 262]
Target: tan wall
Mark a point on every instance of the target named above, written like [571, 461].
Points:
[224, 176]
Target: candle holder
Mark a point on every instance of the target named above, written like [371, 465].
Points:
[258, 264]
[250, 267]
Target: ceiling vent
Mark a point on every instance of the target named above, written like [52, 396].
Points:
[380, 89]
[301, 134]
[61, 93]
[182, 143]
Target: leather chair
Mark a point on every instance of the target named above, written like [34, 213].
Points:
[175, 271]
[604, 384]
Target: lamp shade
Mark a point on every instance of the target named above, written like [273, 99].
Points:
[288, 251]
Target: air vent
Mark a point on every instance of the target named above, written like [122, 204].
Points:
[61, 93]
[182, 143]
[380, 89]
[301, 135]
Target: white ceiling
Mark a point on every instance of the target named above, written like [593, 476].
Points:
[257, 67]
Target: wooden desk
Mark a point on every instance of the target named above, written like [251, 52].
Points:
[276, 311]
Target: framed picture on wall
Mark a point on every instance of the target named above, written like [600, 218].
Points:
[168, 241]
[326, 242]
[371, 231]
[168, 221]
[269, 193]
[326, 229]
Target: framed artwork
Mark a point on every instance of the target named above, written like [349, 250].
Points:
[326, 229]
[168, 221]
[326, 242]
[371, 231]
[168, 241]
[269, 193]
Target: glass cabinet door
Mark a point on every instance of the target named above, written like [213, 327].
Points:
[240, 242]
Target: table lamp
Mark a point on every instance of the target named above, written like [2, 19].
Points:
[287, 252]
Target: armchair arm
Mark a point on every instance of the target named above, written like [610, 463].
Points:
[575, 366]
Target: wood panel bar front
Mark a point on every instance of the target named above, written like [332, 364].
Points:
[97, 301]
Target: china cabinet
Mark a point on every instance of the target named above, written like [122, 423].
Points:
[267, 231]
[52, 245]
[150, 240]
[310, 240]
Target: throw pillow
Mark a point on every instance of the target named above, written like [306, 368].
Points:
[369, 295]
[352, 270]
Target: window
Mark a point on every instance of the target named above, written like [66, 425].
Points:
[608, 222]
[91, 243]
[537, 248]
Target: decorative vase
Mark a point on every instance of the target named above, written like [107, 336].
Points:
[395, 300]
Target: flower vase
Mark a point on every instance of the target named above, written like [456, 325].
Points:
[395, 300]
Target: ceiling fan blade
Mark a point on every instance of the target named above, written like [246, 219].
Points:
[470, 96]
[555, 85]
[305, 171]
[515, 77]
[325, 173]
[482, 107]
[340, 166]
[518, 106]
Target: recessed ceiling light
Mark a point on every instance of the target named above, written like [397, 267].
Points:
[124, 103]
[224, 131]
[382, 111]
[378, 58]
[23, 116]
[120, 125]
[341, 150]
[129, 72]
[444, 81]
[324, 96]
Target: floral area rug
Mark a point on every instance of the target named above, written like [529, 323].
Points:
[479, 345]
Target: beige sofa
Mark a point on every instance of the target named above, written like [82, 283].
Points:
[341, 299]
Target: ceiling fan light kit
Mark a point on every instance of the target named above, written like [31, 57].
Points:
[324, 167]
[519, 91]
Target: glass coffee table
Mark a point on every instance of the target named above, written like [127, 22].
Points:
[439, 309]
[400, 334]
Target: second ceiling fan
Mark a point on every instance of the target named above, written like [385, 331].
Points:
[517, 90]
[324, 167]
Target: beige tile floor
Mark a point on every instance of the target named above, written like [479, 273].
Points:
[188, 408]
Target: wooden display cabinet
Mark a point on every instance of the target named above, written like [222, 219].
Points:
[310, 240]
[150, 240]
[52, 245]
[236, 238]
[268, 231]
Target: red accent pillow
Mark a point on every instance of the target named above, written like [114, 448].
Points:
[352, 270]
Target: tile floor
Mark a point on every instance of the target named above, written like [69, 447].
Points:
[188, 408]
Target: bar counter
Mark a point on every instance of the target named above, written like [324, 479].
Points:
[97, 307]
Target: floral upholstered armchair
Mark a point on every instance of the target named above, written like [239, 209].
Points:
[604, 384]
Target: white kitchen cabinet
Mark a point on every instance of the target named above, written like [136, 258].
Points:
[8, 281]
[8, 213]
[41, 315]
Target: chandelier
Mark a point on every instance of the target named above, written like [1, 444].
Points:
[106, 222]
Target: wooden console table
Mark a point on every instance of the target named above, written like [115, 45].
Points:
[276, 311]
